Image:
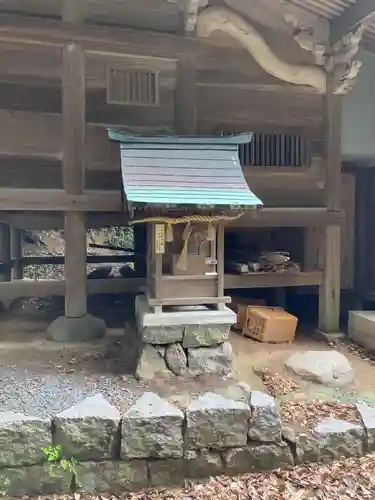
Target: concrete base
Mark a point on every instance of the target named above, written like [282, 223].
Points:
[361, 328]
[180, 315]
[83, 329]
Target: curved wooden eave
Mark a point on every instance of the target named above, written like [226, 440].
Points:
[222, 19]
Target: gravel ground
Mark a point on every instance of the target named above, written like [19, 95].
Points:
[44, 396]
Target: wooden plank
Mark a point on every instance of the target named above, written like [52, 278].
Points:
[91, 259]
[48, 288]
[362, 11]
[288, 217]
[220, 259]
[272, 280]
[74, 118]
[59, 201]
[191, 287]
[98, 39]
[190, 301]
[185, 97]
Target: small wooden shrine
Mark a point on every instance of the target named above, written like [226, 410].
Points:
[185, 189]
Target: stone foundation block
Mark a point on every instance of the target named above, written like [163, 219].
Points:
[194, 465]
[265, 422]
[22, 439]
[215, 422]
[339, 439]
[89, 430]
[161, 334]
[112, 477]
[34, 480]
[257, 457]
[152, 427]
[305, 447]
[151, 364]
[205, 336]
[176, 359]
[84, 329]
[367, 414]
[211, 360]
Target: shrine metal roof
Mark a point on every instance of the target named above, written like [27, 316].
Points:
[197, 172]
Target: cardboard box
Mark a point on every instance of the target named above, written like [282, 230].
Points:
[270, 324]
[240, 306]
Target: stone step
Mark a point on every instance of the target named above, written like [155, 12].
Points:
[361, 328]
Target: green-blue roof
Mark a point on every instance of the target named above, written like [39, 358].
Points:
[196, 172]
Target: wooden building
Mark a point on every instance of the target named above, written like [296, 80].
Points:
[72, 68]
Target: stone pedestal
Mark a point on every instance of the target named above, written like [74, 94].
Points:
[83, 329]
[186, 341]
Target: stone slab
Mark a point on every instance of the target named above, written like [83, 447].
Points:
[211, 360]
[152, 427]
[112, 477]
[22, 439]
[195, 465]
[161, 334]
[265, 422]
[89, 430]
[305, 446]
[215, 422]
[33, 481]
[367, 414]
[361, 328]
[151, 364]
[205, 336]
[339, 439]
[83, 329]
[257, 457]
[180, 315]
[176, 359]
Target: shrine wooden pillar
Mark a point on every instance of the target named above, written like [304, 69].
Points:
[76, 325]
[330, 246]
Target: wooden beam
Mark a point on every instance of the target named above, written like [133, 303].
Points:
[49, 288]
[99, 39]
[272, 280]
[16, 253]
[362, 11]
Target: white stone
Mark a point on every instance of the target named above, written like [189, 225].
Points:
[361, 328]
[326, 367]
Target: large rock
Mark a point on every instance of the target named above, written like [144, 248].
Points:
[306, 446]
[112, 477]
[265, 422]
[161, 334]
[194, 465]
[339, 439]
[152, 428]
[35, 480]
[205, 335]
[215, 422]
[151, 364]
[258, 457]
[211, 360]
[367, 414]
[326, 367]
[22, 439]
[176, 359]
[88, 430]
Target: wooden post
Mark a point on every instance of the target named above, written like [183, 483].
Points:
[185, 97]
[220, 263]
[17, 254]
[330, 247]
[5, 252]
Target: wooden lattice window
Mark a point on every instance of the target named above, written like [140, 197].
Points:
[133, 87]
[269, 149]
